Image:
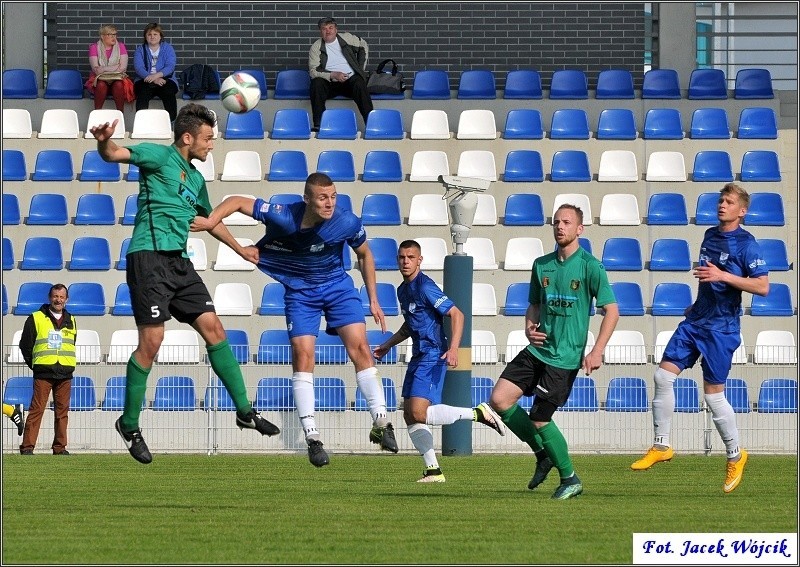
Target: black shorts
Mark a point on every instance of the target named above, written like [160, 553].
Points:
[163, 285]
[536, 377]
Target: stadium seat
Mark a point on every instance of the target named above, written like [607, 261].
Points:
[484, 347]
[17, 123]
[272, 300]
[288, 165]
[123, 343]
[53, 165]
[59, 123]
[101, 116]
[523, 124]
[292, 84]
[196, 250]
[476, 124]
[625, 347]
[206, 167]
[665, 166]
[430, 125]
[329, 349]
[517, 299]
[662, 339]
[753, 83]
[429, 165]
[291, 124]
[775, 347]
[671, 298]
[617, 165]
[131, 206]
[481, 389]
[152, 123]
[620, 209]
[14, 168]
[382, 165]
[384, 124]
[15, 354]
[477, 84]
[777, 303]
[338, 124]
[766, 209]
[228, 260]
[712, 165]
[133, 173]
[238, 218]
[434, 251]
[389, 392]
[616, 124]
[570, 165]
[569, 124]
[663, 124]
[760, 165]
[337, 164]
[94, 168]
[8, 254]
[217, 397]
[180, 346]
[274, 394]
[737, 395]
[757, 123]
[122, 301]
[19, 390]
[375, 338]
[86, 298]
[244, 125]
[48, 209]
[329, 394]
[387, 297]
[274, 347]
[343, 201]
[95, 209]
[90, 253]
[523, 209]
[583, 396]
[233, 298]
[670, 255]
[707, 84]
[667, 209]
[523, 84]
[242, 165]
[31, 296]
[627, 394]
[5, 300]
[431, 84]
[20, 83]
[87, 347]
[710, 124]
[42, 253]
[114, 395]
[523, 166]
[614, 83]
[629, 298]
[477, 163]
[11, 214]
[661, 83]
[777, 395]
[484, 300]
[482, 251]
[569, 84]
[687, 395]
[580, 200]
[82, 396]
[381, 209]
[260, 77]
[174, 393]
[521, 251]
[773, 251]
[384, 250]
[706, 210]
[486, 212]
[622, 254]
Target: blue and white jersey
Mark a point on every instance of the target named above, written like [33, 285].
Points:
[305, 258]
[718, 304]
[423, 304]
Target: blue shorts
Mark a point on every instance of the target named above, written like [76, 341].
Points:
[689, 341]
[425, 380]
[339, 302]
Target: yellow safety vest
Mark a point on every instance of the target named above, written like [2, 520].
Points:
[53, 345]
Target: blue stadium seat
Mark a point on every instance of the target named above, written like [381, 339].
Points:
[670, 255]
[523, 84]
[272, 299]
[240, 344]
[122, 301]
[477, 84]
[757, 123]
[614, 83]
[387, 296]
[114, 396]
[384, 250]
[706, 211]
[777, 395]
[629, 298]
[122, 263]
[86, 298]
[31, 296]
[481, 389]
[288, 165]
[217, 397]
[517, 298]
[343, 201]
[42, 253]
[337, 164]
[64, 83]
[753, 83]
[291, 124]
[5, 300]
[90, 253]
[260, 77]
[766, 209]
[523, 165]
[274, 394]
[382, 165]
[710, 124]
[569, 124]
[19, 390]
[431, 84]
[329, 349]
[773, 251]
[381, 209]
[671, 298]
[707, 84]
[384, 124]
[274, 347]
[627, 394]
[569, 84]
[133, 173]
[583, 396]
[338, 124]
[95, 208]
[174, 393]
[131, 206]
[667, 208]
[777, 303]
[663, 124]
[622, 254]
[48, 209]
[524, 209]
[210, 95]
[11, 214]
[523, 124]
[760, 165]
[389, 392]
[737, 395]
[245, 125]
[53, 165]
[661, 83]
[329, 394]
[8, 254]
[82, 395]
[712, 165]
[292, 84]
[616, 124]
[20, 83]
[375, 338]
[570, 165]
[687, 395]
[14, 168]
[94, 168]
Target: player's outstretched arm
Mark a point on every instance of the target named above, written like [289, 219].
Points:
[235, 203]
[106, 147]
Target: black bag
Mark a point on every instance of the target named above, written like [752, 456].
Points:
[198, 80]
[384, 82]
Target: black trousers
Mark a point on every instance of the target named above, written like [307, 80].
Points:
[166, 92]
[355, 87]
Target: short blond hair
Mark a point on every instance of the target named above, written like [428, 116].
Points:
[738, 190]
[107, 28]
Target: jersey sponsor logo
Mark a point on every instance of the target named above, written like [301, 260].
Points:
[723, 258]
[440, 301]
[756, 262]
[412, 307]
[276, 245]
[574, 285]
[361, 232]
[567, 301]
[186, 194]
[545, 281]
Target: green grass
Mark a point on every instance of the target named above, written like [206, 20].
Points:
[90, 509]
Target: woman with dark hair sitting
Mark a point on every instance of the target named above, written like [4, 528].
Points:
[154, 63]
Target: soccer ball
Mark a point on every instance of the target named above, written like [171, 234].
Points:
[240, 92]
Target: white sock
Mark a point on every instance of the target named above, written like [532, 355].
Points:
[663, 405]
[422, 438]
[725, 420]
[442, 414]
[372, 388]
[303, 386]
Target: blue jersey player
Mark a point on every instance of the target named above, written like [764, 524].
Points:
[424, 306]
[302, 249]
[730, 263]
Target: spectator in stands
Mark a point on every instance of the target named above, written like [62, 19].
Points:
[302, 249]
[563, 285]
[48, 348]
[337, 65]
[730, 263]
[16, 415]
[162, 280]
[108, 59]
[424, 307]
[154, 62]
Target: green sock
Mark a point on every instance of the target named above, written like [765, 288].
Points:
[224, 364]
[135, 388]
[521, 425]
[556, 447]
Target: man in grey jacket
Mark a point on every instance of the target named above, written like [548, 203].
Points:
[337, 65]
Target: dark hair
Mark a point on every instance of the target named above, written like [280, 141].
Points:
[317, 179]
[410, 244]
[191, 117]
[57, 287]
[155, 26]
[325, 21]
[575, 208]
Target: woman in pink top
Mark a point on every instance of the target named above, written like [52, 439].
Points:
[108, 59]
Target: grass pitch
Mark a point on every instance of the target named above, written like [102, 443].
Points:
[256, 509]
